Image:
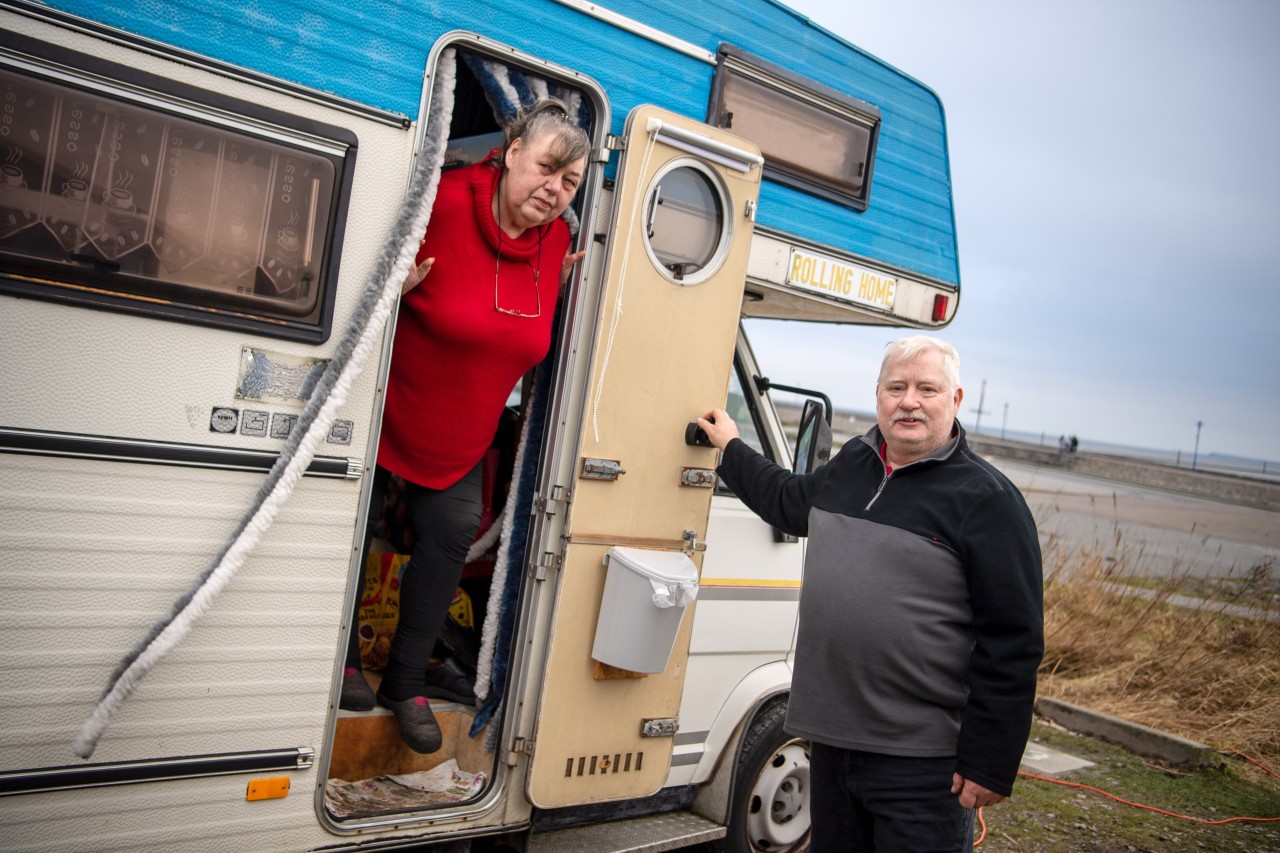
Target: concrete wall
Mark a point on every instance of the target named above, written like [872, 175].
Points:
[1224, 487]
[1247, 491]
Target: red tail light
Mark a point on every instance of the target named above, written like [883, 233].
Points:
[940, 301]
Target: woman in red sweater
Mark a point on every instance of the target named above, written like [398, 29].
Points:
[497, 253]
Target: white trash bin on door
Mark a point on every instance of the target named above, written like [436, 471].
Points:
[645, 594]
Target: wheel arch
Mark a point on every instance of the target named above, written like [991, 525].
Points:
[715, 772]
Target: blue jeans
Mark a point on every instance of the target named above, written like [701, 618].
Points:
[873, 803]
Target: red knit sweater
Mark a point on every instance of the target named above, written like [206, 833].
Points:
[455, 359]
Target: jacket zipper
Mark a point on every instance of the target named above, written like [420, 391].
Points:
[889, 473]
[879, 489]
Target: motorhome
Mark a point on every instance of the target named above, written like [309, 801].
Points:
[206, 210]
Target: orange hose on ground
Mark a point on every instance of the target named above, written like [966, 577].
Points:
[983, 822]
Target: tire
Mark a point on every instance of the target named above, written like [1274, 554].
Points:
[770, 808]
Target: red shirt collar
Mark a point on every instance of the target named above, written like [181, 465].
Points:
[884, 449]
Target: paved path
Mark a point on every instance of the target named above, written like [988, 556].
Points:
[1152, 532]
[1188, 601]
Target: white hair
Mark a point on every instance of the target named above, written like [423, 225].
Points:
[909, 348]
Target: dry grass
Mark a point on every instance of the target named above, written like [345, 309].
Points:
[1123, 644]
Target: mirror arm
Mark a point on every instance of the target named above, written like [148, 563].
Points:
[763, 384]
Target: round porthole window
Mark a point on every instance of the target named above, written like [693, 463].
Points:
[687, 230]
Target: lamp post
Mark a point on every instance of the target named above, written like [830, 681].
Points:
[982, 399]
[1196, 452]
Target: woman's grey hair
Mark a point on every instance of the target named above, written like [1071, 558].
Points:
[906, 349]
[549, 115]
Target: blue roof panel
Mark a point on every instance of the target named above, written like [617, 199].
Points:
[375, 53]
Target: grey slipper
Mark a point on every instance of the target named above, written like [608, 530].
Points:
[357, 695]
[418, 726]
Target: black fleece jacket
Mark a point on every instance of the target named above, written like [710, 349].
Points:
[921, 615]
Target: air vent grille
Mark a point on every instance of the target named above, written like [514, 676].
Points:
[599, 765]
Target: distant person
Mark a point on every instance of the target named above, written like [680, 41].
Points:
[465, 336]
[1075, 444]
[921, 615]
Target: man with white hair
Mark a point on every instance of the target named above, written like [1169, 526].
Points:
[921, 614]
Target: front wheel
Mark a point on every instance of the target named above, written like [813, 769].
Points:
[770, 809]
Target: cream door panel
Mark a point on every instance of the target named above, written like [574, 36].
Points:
[676, 263]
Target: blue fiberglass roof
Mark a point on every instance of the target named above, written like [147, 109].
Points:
[374, 52]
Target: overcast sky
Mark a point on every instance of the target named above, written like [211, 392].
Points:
[1116, 173]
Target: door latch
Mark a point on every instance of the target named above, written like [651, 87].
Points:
[691, 542]
[702, 477]
[601, 469]
[660, 727]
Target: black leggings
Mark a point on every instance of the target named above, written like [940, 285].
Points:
[445, 522]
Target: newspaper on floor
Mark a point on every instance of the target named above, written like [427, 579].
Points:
[445, 783]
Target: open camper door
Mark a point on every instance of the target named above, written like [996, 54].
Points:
[683, 213]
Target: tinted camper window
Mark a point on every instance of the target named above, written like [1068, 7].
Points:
[812, 137]
[135, 200]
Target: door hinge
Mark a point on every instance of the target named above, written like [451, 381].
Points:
[519, 746]
[547, 503]
[548, 560]
[750, 211]
[614, 143]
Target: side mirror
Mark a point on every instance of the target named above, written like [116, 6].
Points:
[813, 441]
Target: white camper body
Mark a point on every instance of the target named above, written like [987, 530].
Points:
[188, 426]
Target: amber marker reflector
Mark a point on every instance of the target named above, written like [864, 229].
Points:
[268, 789]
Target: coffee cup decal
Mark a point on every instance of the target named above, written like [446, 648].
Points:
[75, 189]
[14, 203]
[288, 239]
[11, 176]
[121, 199]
